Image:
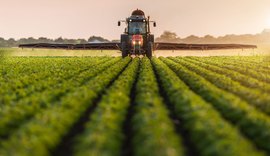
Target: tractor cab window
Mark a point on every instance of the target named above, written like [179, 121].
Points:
[137, 27]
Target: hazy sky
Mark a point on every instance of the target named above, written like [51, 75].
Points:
[84, 18]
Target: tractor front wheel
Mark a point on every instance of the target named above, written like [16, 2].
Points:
[124, 49]
[149, 51]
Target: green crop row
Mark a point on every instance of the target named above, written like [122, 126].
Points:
[244, 70]
[152, 129]
[243, 79]
[252, 62]
[25, 66]
[44, 132]
[17, 88]
[256, 60]
[253, 123]
[257, 67]
[255, 97]
[103, 133]
[209, 133]
[27, 107]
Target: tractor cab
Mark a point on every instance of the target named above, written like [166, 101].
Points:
[137, 39]
[137, 27]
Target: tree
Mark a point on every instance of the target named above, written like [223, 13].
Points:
[44, 40]
[2, 42]
[11, 42]
[31, 40]
[168, 36]
[59, 40]
[81, 41]
[208, 39]
[97, 38]
[191, 39]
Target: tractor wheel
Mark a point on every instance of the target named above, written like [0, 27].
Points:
[124, 50]
[149, 50]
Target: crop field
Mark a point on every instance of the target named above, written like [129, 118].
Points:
[109, 106]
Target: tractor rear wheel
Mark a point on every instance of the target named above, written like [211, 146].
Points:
[149, 51]
[124, 49]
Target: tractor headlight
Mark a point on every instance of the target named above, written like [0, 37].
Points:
[133, 42]
[140, 42]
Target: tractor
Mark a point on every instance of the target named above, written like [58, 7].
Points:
[137, 38]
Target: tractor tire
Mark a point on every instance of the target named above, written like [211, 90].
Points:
[151, 38]
[149, 51]
[124, 49]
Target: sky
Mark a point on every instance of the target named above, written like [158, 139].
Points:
[84, 18]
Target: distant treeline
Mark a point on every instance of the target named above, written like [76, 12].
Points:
[167, 36]
[261, 38]
[14, 43]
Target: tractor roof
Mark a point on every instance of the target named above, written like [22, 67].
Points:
[137, 13]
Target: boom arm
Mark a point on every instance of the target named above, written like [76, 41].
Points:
[182, 46]
[157, 46]
[93, 46]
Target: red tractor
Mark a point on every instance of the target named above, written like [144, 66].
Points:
[137, 39]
